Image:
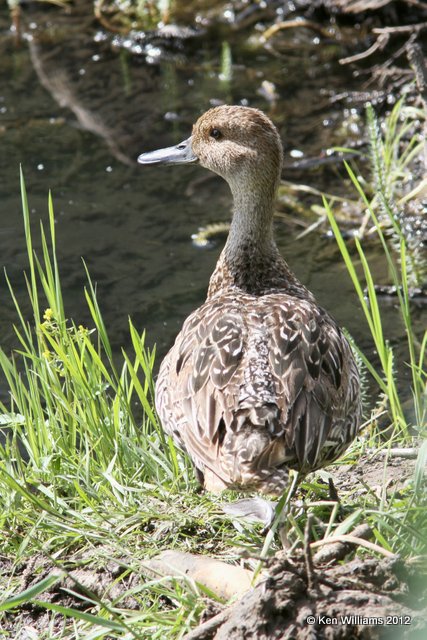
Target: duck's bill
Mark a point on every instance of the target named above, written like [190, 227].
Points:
[182, 153]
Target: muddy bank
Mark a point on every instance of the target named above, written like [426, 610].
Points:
[361, 599]
[364, 598]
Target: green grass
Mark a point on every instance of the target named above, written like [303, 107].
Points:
[88, 479]
[390, 164]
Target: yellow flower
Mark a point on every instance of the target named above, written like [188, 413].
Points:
[47, 354]
[48, 314]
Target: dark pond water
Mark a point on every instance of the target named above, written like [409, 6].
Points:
[76, 109]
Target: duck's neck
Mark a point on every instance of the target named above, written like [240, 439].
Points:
[251, 231]
[252, 224]
[250, 259]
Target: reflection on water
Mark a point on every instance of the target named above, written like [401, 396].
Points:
[76, 112]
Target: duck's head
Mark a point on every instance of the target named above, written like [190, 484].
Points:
[241, 144]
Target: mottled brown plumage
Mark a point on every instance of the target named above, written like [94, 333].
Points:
[260, 378]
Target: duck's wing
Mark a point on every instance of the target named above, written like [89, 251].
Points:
[317, 382]
[197, 390]
[197, 387]
[273, 368]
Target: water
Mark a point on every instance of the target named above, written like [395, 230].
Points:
[76, 111]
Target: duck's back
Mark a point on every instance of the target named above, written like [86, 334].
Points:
[255, 385]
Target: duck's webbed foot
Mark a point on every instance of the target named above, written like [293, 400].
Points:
[255, 509]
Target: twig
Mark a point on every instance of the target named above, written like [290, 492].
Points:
[354, 540]
[207, 630]
[335, 552]
[408, 28]
[397, 452]
[291, 24]
[379, 44]
[309, 566]
[380, 71]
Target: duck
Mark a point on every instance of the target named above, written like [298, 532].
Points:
[261, 380]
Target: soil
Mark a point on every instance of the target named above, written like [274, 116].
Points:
[373, 473]
[361, 598]
[366, 599]
[109, 576]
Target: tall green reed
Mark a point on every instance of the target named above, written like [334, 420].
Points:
[387, 220]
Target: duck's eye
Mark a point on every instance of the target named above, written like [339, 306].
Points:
[215, 133]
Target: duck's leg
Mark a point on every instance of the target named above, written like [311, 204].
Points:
[200, 476]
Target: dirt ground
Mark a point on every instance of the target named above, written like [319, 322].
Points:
[331, 598]
[373, 472]
[361, 598]
[366, 599]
